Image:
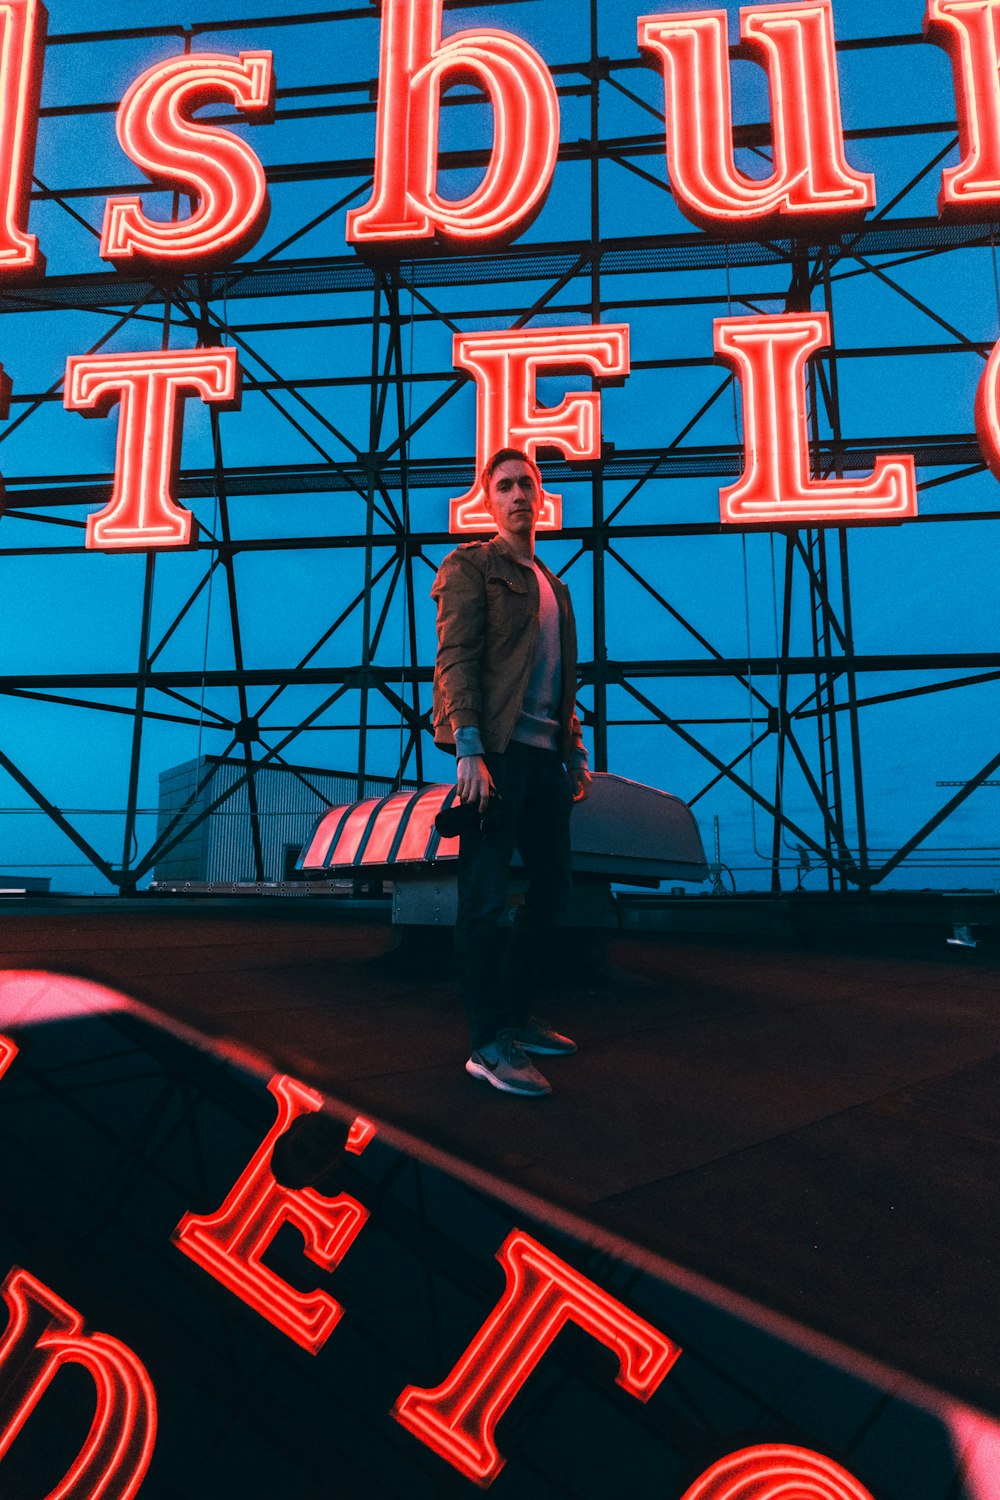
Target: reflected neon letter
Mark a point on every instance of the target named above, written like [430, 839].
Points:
[217, 168]
[768, 355]
[229, 1244]
[22, 54]
[811, 182]
[969, 31]
[8, 1052]
[506, 366]
[142, 511]
[775, 1471]
[458, 1418]
[44, 1333]
[415, 67]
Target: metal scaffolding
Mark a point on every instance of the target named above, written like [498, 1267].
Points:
[374, 478]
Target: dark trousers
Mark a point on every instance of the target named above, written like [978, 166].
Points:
[498, 966]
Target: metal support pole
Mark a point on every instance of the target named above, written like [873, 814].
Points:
[375, 407]
[782, 717]
[415, 739]
[126, 881]
[854, 726]
[821, 615]
[598, 555]
[864, 871]
[247, 731]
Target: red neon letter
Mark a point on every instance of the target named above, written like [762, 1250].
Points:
[768, 355]
[8, 1052]
[988, 411]
[229, 1243]
[222, 171]
[969, 31]
[414, 68]
[506, 366]
[142, 511]
[811, 182]
[458, 1419]
[44, 1333]
[22, 54]
[775, 1471]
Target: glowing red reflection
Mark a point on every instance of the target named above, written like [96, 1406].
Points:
[976, 1440]
[30, 996]
[22, 56]
[8, 1052]
[386, 826]
[768, 355]
[415, 66]
[346, 849]
[775, 1471]
[230, 1243]
[361, 1133]
[214, 166]
[151, 388]
[458, 1418]
[43, 1334]
[506, 366]
[419, 830]
[811, 182]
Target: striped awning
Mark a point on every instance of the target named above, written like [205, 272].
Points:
[624, 831]
[380, 832]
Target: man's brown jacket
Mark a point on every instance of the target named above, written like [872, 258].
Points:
[487, 634]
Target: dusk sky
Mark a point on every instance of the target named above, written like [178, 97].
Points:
[916, 587]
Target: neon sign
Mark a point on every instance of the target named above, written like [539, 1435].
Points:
[969, 31]
[773, 1471]
[506, 366]
[43, 1335]
[811, 183]
[458, 1419]
[988, 411]
[811, 186]
[150, 388]
[22, 52]
[488, 1375]
[768, 354]
[214, 165]
[229, 1244]
[415, 66]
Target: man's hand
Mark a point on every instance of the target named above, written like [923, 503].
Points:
[580, 781]
[474, 782]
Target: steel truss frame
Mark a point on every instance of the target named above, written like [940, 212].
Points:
[814, 730]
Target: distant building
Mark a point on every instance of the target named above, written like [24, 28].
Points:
[220, 847]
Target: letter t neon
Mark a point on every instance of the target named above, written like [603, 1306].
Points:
[151, 387]
[458, 1419]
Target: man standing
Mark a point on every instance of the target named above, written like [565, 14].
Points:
[504, 694]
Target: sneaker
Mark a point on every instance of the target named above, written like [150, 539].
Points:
[535, 1036]
[503, 1064]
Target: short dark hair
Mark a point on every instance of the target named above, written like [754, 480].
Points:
[502, 456]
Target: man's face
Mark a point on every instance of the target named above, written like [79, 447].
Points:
[514, 497]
